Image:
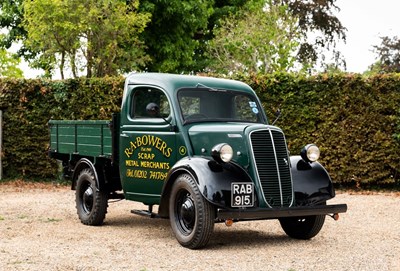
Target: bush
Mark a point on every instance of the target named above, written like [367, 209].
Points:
[355, 120]
[30, 104]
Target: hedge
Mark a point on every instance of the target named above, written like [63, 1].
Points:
[30, 104]
[355, 120]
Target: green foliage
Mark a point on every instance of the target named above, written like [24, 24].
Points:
[11, 16]
[30, 104]
[355, 120]
[388, 55]
[396, 135]
[9, 65]
[171, 36]
[260, 39]
[105, 32]
[318, 18]
[157, 35]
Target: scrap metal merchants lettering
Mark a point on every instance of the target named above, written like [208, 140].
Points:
[148, 140]
[147, 164]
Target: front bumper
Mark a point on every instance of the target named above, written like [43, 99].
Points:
[263, 213]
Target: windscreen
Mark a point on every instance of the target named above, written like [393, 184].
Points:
[203, 104]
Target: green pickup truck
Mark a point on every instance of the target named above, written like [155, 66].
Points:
[201, 149]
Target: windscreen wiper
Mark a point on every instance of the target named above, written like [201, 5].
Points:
[210, 88]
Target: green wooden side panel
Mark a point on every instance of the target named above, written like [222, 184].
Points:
[86, 138]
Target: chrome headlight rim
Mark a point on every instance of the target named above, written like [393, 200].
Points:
[222, 153]
[310, 153]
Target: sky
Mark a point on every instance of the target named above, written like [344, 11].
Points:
[365, 20]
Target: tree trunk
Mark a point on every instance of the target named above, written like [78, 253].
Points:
[62, 64]
[73, 64]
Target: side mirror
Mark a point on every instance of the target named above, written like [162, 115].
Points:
[153, 110]
[278, 114]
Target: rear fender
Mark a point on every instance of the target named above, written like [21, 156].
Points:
[85, 163]
[312, 184]
[213, 180]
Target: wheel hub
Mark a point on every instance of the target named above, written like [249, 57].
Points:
[87, 199]
[187, 213]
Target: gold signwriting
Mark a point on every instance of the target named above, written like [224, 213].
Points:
[147, 164]
[141, 164]
[149, 141]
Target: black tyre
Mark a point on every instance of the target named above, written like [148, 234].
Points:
[302, 227]
[191, 215]
[91, 204]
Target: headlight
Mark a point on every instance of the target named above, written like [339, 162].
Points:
[222, 152]
[310, 153]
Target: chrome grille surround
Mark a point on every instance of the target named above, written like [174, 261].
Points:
[272, 166]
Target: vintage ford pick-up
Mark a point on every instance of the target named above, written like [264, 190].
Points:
[201, 149]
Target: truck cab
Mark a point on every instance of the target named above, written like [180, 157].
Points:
[201, 149]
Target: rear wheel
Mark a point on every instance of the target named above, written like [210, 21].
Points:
[91, 204]
[191, 215]
[302, 227]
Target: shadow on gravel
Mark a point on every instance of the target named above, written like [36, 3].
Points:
[221, 239]
[239, 239]
[135, 221]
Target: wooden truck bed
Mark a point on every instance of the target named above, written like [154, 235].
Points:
[81, 137]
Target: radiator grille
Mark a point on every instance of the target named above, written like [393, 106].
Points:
[272, 165]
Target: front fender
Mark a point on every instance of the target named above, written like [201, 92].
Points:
[213, 179]
[312, 184]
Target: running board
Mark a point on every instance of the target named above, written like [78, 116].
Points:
[149, 213]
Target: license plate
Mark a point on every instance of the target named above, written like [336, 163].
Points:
[242, 195]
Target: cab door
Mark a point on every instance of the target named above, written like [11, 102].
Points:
[147, 143]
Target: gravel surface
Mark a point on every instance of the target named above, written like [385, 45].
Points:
[39, 230]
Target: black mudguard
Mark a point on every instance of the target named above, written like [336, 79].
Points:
[87, 164]
[213, 179]
[312, 184]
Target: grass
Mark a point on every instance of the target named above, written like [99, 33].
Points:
[49, 220]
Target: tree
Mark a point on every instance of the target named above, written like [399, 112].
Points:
[178, 34]
[317, 25]
[320, 29]
[9, 65]
[221, 9]
[260, 39]
[316, 17]
[105, 33]
[173, 36]
[388, 55]
[11, 15]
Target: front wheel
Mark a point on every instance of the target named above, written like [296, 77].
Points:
[191, 215]
[91, 203]
[302, 227]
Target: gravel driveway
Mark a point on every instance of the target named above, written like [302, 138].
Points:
[39, 230]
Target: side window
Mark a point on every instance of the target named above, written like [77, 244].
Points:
[144, 96]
